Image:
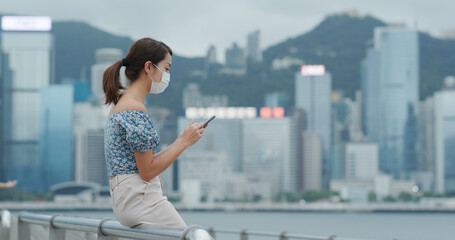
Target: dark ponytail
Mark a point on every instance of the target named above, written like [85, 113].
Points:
[112, 84]
[143, 50]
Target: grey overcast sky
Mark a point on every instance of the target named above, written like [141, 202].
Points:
[190, 27]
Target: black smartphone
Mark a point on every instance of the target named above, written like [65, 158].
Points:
[207, 122]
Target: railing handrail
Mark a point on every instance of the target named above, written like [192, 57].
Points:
[282, 235]
[109, 228]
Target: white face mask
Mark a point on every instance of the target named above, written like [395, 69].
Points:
[158, 88]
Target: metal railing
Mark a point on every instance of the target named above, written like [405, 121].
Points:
[20, 228]
[245, 234]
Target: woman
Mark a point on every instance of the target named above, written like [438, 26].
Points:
[131, 142]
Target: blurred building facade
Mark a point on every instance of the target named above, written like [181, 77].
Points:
[209, 169]
[254, 48]
[444, 137]
[254, 146]
[104, 58]
[390, 79]
[30, 55]
[313, 94]
[362, 160]
[312, 162]
[192, 97]
[235, 61]
[89, 163]
[56, 134]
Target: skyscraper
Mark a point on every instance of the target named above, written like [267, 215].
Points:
[211, 55]
[425, 154]
[5, 125]
[253, 145]
[254, 49]
[313, 92]
[268, 147]
[56, 134]
[209, 168]
[104, 57]
[192, 97]
[28, 43]
[235, 60]
[89, 161]
[444, 137]
[312, 162]
[391, 89]
[370, 68]
[223, 136]
[410, 142]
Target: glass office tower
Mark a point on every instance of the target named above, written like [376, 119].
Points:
[30, 59]
[391, 89]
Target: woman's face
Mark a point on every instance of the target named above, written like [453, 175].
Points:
[164, 65]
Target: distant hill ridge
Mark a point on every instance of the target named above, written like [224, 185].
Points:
[340, 42]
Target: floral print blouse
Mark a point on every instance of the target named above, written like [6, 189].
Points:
[127, 132]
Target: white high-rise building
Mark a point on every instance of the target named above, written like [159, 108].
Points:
[104, 58]
[426, 135]
[211, 55]
[90, 165]
[192, 97]
[444, 137]
[253, 145]
[267, 147]
[254, 49]
[370, 68]
[235, 61]
[312, 161]
[222, 136]
[313, 92]
[89, 161]
[208, 168]
[354, 120]
[29, 46]
[361, 160]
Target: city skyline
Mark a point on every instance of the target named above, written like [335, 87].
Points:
[201, 16]
[313, 94]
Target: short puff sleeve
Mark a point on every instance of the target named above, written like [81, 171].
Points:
[140, 133]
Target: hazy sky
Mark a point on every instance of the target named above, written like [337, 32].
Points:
[190, 27]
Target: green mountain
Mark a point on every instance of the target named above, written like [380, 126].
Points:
[437, 60]
[339, 42]
[75, 45]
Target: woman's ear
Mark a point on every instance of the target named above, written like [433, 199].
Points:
[148, 67]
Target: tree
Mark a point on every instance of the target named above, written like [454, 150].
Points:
[405, 197]
[372, 197]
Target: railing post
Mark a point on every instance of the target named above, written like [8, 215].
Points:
[283, 236]
[23, 229]
[331, 237]
[194, 232]
[211, 231]
[5, 228]
[55, 233]
[243, 235]
[101, 235]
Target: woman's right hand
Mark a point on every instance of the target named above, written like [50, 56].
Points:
[192, 133]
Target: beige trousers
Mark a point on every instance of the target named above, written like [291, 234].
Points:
[137, 202]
